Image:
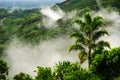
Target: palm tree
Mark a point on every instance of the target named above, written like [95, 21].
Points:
[87, 37]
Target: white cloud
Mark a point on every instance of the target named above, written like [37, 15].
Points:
[51, 16]
[25, 58]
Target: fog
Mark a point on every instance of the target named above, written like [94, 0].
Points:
[51, 16]
[25, 58]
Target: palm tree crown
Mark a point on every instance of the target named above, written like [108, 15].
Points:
[87, 37]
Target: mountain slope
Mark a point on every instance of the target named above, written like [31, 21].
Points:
[112, 3]
[69, 5]
[87, 5]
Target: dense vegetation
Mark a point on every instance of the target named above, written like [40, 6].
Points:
[105, 66]
[82, 5]
[111, 3]
[28, 27]
[88, 5]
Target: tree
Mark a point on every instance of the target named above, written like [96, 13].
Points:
[107, 64]
[70, 71]
[22, 76]
[3, 40]
[87, 37]
[3, 70]
[62, 69]
[44, 73]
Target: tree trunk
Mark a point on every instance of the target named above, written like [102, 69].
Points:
[89, 57]
[89, 47]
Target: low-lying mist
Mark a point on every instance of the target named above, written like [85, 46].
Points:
[25, 58]
[51, 16]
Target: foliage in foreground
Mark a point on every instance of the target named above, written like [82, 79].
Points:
[69, 71]
[44, 73]
[22, 76]
[107, 65]
[3, 69]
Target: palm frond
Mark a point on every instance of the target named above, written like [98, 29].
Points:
[88, 18]
[76, 47]
[82, 53]
[98, 34]
[97, 18]
[75, 34]
[80, 22]
[103, 44]
[82, 56]
[93, 45]
[80, 40]
[97, 23]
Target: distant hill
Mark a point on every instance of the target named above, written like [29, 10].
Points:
[87, 5]
[112, 3]
[69, 5]
[27, 4]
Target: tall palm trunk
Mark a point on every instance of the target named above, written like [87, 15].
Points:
[89, 57]
[89, 48]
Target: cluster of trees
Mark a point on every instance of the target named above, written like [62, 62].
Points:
[104, 66]
[111, 3]
[88, 5]
[10, 22]
[84, 5]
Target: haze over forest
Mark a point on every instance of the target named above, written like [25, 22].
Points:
[59, 40]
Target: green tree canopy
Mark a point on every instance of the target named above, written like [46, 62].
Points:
[87, 37]
[3, 69]
[70, 71]
[107, 64]
[44, 73]
[22, 76]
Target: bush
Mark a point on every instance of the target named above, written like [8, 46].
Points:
[3, 70]
[22, 76]
[107, 64]
[44, 73]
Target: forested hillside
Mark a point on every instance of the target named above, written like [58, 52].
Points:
[27, 25]
[33, 26]
[88, 5]
[84, 5]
